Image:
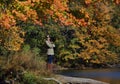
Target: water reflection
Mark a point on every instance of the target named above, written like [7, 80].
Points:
[111, 76]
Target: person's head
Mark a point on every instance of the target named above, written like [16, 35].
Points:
[52, 39]
[48, 37]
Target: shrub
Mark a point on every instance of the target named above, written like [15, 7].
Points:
[29, 78]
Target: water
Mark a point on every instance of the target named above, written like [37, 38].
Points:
[111, 76]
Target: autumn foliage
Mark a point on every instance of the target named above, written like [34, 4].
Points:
[89, 19]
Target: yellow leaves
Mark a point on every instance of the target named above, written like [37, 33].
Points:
[107, 17]
[95, 61]
[109, 56]
[82, 10]
[70, 56]
[12, 39]
[24, 3]
[50, 12]
[20, 15]
[113, 36]
[87, 2]
[98, 44]
[115, 39]
[81, 22]
[84, 55]
[95, 46]
[58, 12]
[64, 18]
[98, 31]
[74, 46]
[24, 11]
[32, 14]
[36, 0]
[103, 12]
[112, 30]
[52, 7]
[69, 53]
[93, 50]
[64, 52]
[87, 15]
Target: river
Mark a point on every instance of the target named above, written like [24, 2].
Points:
[111, 76]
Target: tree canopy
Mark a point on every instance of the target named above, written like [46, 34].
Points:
[86, 30]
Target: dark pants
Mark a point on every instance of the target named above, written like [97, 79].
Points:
[50, 59]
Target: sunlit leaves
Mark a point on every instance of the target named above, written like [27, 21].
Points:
[20, 16]
[12, 38]
[88, 18]
[117, 1]
[6, 21]
[113, 36]
[87, 2]
[103, 12]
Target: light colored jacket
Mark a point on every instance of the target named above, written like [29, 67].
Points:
[50, 50]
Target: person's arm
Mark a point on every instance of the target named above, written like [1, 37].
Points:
[53, 45]
[49, 44]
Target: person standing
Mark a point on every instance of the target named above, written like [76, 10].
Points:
[50, 53]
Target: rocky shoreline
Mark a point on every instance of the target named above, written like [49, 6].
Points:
[61, 79]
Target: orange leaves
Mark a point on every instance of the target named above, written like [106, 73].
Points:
[64, 19]
[24, 11]
[50, 12]
[38, 22]
[117, 2]
[27, 14]
[58, 12]
[60, 5]
[19, 15]
[95, 61]
[82, 22]
[87, 2]
[87, 15]
[23, 3]
[6, 21]
[32, 14]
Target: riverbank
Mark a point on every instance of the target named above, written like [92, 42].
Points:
[108, 66]
[61, 79]
[111, 76]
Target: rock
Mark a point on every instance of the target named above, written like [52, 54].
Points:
[61, 79]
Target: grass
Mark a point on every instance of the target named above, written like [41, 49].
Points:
[27, 68]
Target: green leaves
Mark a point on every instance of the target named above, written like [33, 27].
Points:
[83, 29]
